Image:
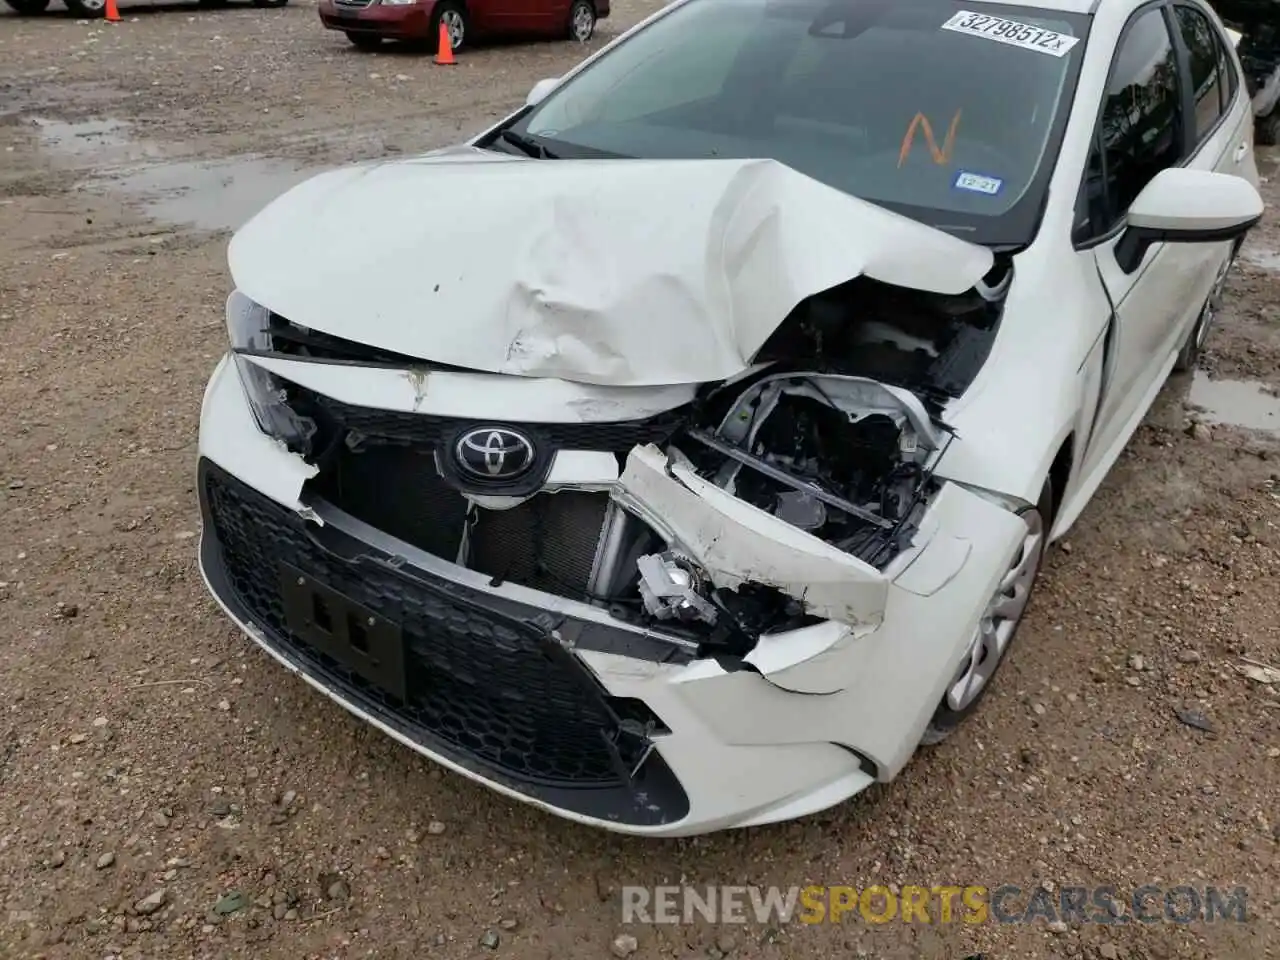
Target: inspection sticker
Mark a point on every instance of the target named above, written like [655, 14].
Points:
[1012, 32]
[978, 183]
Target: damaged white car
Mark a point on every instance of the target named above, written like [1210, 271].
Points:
[680, 453]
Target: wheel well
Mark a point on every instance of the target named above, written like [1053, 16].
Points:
[1060, 473]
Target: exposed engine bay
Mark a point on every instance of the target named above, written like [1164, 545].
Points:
[836, 432]
[931, 344]
[841, 458]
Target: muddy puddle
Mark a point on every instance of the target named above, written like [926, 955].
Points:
[99, 142]
[1265, 259]
[205, 194]
[210, 195]
[1236, 403]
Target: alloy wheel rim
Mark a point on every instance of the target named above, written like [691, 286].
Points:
[583, 23]
[1000, 618]
[1213, 304]
[93, 4]
[454, 24]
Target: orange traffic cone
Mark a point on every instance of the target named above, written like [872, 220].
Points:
[444, 46]
[113, 15]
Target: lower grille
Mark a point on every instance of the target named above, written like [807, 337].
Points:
[481, 685]
[353, 3]
[399, 492]
[549, 542]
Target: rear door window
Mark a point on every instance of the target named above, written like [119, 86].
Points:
[1140, 130]
[1209, 87]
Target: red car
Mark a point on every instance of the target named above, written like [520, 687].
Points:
[367, 23]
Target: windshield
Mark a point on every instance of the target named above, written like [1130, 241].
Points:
[946, 111]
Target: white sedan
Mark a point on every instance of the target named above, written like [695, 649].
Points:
[680, 453]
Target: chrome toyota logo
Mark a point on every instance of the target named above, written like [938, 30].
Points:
[494, 453]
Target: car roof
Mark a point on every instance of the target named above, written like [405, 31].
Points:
[1066, 6]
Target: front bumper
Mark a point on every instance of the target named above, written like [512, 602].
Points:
[399, 22]
[575, 713]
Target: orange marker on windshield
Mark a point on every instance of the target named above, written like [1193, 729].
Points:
[940, 156]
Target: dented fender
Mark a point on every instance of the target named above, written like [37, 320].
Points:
[736, 543]
[961, 552]
[932, 606]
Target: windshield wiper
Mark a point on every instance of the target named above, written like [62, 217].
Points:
[527, 144]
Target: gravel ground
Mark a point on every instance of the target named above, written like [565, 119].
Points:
[166, 791]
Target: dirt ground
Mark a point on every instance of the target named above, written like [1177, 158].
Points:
[147, 751]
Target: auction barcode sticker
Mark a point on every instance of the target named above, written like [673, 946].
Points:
[1012, 32]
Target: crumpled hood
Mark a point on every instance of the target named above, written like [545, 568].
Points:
[620, 272]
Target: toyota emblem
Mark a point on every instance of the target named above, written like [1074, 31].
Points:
[494, 453]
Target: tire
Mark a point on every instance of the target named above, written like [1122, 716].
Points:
[1189, 355]
[87, 9]
[364, 41]
[1267, 129]
[454, 16]
[954, 708]
[28, 7]
[582, 20]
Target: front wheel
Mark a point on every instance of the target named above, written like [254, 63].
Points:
[86, 8]
[1266, 132]
[998, 625]
[1189, 355]
[454, 17]
[582, 20]
[28, 7]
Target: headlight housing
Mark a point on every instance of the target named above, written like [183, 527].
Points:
[249, 329]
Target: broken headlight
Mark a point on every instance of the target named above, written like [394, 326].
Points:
[249, 329]
[672, 587]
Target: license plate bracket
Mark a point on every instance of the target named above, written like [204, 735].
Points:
[360, 639]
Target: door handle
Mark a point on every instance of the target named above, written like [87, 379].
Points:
[1241, 151]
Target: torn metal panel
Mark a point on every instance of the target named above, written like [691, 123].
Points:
[947, 583]
[277, 473]
[775, 653]
[627, 273]
[858, 397]
[737, 543]
[476, 396]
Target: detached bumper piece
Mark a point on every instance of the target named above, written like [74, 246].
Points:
[475, 681]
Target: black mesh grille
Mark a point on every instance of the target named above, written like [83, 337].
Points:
[481, 682]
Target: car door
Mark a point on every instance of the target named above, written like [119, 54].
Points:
[1150, 121]
[525, 17]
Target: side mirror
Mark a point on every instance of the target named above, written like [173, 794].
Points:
[540, 91]
[1187, 206]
